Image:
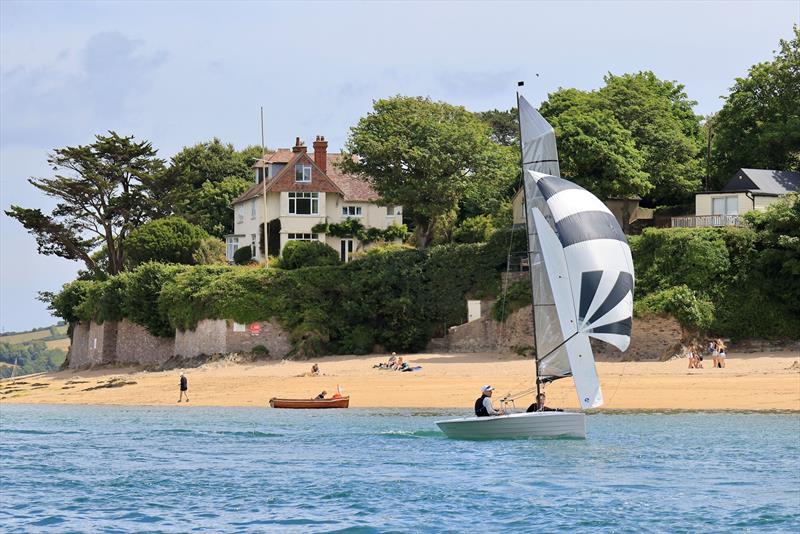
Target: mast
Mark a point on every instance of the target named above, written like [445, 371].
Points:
[528, 241]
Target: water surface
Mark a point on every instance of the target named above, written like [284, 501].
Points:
[139, 469]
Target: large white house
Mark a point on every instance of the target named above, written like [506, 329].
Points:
[293, 192]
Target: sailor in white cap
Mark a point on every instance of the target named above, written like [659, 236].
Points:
[483, 405]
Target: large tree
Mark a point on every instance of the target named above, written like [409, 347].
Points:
[420, 154]
[759, 125]
[201, 182]
[103, 194]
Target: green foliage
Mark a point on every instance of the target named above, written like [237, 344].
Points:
[140, 297]
[298, 254]
[201, 182]
[167, 240]
[504, 125]
[243, 255]
[759, 125]
[476, 229]
[103, 197]
[419, 154]
[30, 357]
[637, 135]
[690, 309]
[210, 251]
[66, 303]
[354, 228]
[518, 295]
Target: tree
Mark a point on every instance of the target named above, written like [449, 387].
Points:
[104, 196]
[166, 240]
[659, 116]
[759, 125]
[504, 125]
[420, 154]
[211, 251]
[201, 182]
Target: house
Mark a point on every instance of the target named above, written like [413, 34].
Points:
[295, 191]
[749, 189]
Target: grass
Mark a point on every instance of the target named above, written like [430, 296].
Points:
[62, 344]
[39, 333]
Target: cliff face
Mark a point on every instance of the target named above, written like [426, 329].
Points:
[125, 342]
[654, 338]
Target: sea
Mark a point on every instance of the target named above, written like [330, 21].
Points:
[195, 469]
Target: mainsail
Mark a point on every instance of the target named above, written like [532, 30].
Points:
[580, 263]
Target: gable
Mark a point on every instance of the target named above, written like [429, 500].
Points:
[285, 181]
[740, 182]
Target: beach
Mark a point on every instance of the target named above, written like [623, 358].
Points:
[755, 381]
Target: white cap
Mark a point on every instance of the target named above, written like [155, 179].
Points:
[487, 388]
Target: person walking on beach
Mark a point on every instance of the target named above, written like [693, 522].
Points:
[184, 388]
[483, 405]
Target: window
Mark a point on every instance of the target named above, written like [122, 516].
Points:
[302, 237]
[728, 205]
[231, 246]
[303, 203]
[253, 209]
[391, 211]
[302, 173]
[351, 211]
[240, 212]
[253, 249]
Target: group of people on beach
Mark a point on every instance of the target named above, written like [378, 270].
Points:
[396, 363]
[715, 349]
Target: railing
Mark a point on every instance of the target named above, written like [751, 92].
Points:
[702, 221]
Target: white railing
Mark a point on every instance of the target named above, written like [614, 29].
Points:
[702, 221]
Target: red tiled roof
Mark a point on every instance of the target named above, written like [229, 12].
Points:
[354, 188]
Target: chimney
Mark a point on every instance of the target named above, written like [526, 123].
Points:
[321, 153]
[299, 146]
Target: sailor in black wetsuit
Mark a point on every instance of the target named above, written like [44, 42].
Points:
[483, 405]
[539, 405]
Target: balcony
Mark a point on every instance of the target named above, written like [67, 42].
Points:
[705, 221]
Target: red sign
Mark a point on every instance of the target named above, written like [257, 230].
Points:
[255, 329]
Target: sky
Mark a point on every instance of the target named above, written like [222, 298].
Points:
[178, 73]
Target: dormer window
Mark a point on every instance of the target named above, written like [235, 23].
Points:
[302, 173]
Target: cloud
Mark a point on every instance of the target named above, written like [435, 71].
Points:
[80, 91]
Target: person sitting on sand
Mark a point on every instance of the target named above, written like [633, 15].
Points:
[398, 363]
[483, 404]
[387, 365]
[315, 370]
[184, 388]
[540, 406]
[321, 396]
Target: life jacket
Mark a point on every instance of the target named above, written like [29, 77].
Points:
[480, 409]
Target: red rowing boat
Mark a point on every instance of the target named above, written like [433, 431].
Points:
[341, 402]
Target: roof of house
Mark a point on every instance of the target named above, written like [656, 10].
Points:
[353, 188]
[764, 181]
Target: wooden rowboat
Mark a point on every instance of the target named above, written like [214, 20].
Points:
[342, 402]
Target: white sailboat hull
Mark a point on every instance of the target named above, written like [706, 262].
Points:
[517, 425]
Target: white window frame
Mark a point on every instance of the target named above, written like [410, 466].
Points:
[351, 211]
[240, 212]
[346, 248]
[305, 173]
[252, 209]
[730, 205]
[302, 237]
[302, 195]
[253, 245]
[391, 211]
[231, 246]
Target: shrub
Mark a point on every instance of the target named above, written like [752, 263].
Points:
[210, 251]
[140, 298]
[518, 295]
[243, 255]
[691, 310]
[167, 240]
[476, 229]
[298, 254]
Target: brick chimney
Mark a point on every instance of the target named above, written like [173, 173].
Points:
[321, 153]
[299, 146]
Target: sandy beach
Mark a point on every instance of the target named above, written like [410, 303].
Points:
[757, 381]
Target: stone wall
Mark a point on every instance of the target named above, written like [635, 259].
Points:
[135, 345]
[270, 335]
[207, 338]
[93, 344]
[654, 338]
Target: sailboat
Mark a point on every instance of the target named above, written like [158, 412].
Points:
[582, 284]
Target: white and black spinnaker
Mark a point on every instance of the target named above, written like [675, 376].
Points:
[581, 266]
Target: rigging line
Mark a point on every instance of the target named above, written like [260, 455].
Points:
[540, 161]
[559, 346]
[619, 381]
